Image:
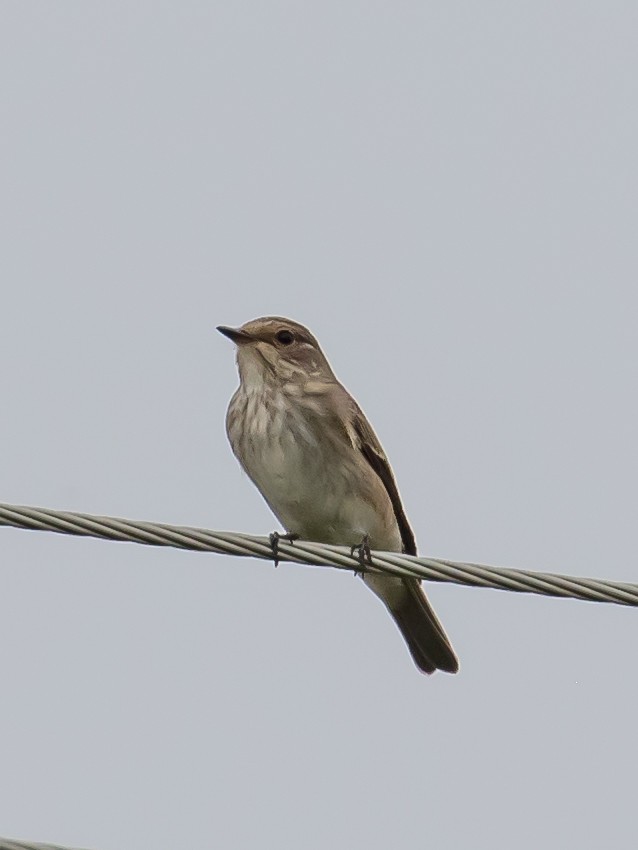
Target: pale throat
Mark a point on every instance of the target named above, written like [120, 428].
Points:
[259, 375]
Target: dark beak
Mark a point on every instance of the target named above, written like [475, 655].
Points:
[236, 334]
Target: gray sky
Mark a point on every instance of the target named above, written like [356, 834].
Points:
[446, 194]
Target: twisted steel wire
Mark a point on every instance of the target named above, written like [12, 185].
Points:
[317, 554]
[12, 844]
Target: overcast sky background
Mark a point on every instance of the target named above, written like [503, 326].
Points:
[446, 195]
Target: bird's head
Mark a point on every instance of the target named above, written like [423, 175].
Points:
[274, 348]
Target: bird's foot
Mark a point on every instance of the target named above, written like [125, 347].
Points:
[363, 555]
[275, 537]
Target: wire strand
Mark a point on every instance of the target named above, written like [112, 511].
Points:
[316, 554]
[13, 844]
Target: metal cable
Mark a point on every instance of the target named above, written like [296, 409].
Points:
[317, 554]
[10, 844]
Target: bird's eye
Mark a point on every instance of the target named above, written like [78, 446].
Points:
[285, 337]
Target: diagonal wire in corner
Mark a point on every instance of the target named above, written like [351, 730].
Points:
[13, 844]
[317, 554]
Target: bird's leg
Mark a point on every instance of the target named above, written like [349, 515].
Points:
[275, 537]
[363, 554]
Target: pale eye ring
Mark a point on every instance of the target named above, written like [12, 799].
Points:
[285, 337]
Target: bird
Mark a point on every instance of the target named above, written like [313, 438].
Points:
[309, 449]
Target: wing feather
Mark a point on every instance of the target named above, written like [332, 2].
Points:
[369, 445]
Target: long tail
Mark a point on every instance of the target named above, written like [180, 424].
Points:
[426, 639]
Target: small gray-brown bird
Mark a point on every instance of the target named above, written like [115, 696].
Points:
[311, 452]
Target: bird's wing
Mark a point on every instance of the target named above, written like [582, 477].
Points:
[360, 433]
[371, 449]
